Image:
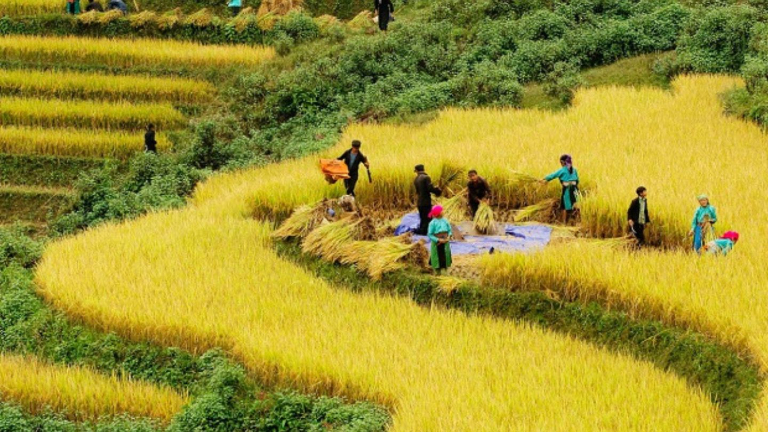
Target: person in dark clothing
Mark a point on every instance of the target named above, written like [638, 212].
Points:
[117, 4]
[424, 190]
[353, 158]
[478, 190]
[384, 8]
[150, 144]
[637, 215]
[94, 6]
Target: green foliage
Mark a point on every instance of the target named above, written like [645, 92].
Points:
[717, 39]
[36, 170]
[562, 82]
[16, 247]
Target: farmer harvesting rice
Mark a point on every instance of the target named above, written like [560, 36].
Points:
[353, 158]
[637, 215]
[569, 179]
[94, 6]
[723, 245]
[73, 7]
[478, 189]
[150, 143]
[424, 191]
[704, 218]
[439, 233]
[383, 8]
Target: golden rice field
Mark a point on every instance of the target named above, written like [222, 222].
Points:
[220, 284]
[29, 7]
[74, 142]
[64, 84]
[126, 54]
[87, 114]
[442, 370]
[83, 394]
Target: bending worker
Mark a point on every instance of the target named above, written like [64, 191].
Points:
[478, 190]
[353, 158]
[723, 245]
[424, 191]
[637, 215]
[569, 180]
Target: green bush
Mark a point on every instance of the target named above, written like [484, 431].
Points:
[562, 82]
[17, 248]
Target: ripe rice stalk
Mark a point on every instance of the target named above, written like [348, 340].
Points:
[200, 19]
[302, 221]
[15, 8]
[387, 256]
[484, 221]
[109, 16]
[362, 21]
[358, 253]
[142, 19]
[614, 243]
[448, 284]
[449, 175]
[170, 19]
[455, 208]
[88, 18]
[328, 241]
[74, 142]
[88, 85]
[123, 54]
[326, 21]
[279, 7]
[541, 210]
[88, 114]
[243, 20]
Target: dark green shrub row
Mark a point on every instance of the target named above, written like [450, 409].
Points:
[224, 398]
[732, 382]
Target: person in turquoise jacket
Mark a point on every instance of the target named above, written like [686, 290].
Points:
[235, 6]
[702, 228]
[723, 245]
[569, 180]
[439, 233]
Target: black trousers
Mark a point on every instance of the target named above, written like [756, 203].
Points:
[442, 259]
[424, 217]
[473, 206]
[639, 231]
[350, 184]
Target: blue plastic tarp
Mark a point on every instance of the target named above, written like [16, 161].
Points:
[515, 238]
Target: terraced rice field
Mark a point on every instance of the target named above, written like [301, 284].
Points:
[444, 371]
[84, 394]
[29, 7]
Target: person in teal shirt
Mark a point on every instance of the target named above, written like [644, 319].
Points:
[439, 234]
[723, 245]
[569, 180]
[235, 6]
[702, 228]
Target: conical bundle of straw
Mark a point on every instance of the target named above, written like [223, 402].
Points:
[539, 210]
[387, 257]
[329, 241]
[485, 223]
[455, 208]
[301, 222]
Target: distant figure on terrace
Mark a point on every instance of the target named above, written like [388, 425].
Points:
[478, 190]
[235, 6]
[117, 4]
[73, 7]
[353, 158]
[150, 143]
[384, 8]
[439, 233]
[424, 191]
[569, 180]
[723, 245]
[702, 227]
[637, 215]
[94, 6]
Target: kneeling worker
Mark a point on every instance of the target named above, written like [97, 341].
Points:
[478, 190]
[353, 158]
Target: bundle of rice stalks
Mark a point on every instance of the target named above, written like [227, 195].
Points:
[301, 222]
[142, 19]
[484, 221]
[542, 210]
[387, 229]
[365, 229]
[357, 253]
[329, 241]
[170, 19]
[279, 7]
[88, 18]
[615, 242]
[523, 178]
[449, 175]
[109, 16]
[267, 21]
[387, 256]
[361, 21]
[245, 18]
[563, 233]
[455, 208]
[448, 284]
[201, 18]
[419, 255]
[325, 21]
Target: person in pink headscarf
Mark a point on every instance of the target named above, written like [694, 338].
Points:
[439, 234]
[723, 245]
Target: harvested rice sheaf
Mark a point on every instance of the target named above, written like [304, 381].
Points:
[455, 208]
[538, 211]
[485, 223]
[301, 222]
[328, 241]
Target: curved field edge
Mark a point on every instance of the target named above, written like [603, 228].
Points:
[220, 284]
[733, 383]
[87, 394]
[28, 327]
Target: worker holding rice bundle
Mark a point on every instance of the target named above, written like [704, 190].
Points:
[353, 158]
[439, 233]
[723, 245]
[702, 227]
[478, 190]
[569, 179]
